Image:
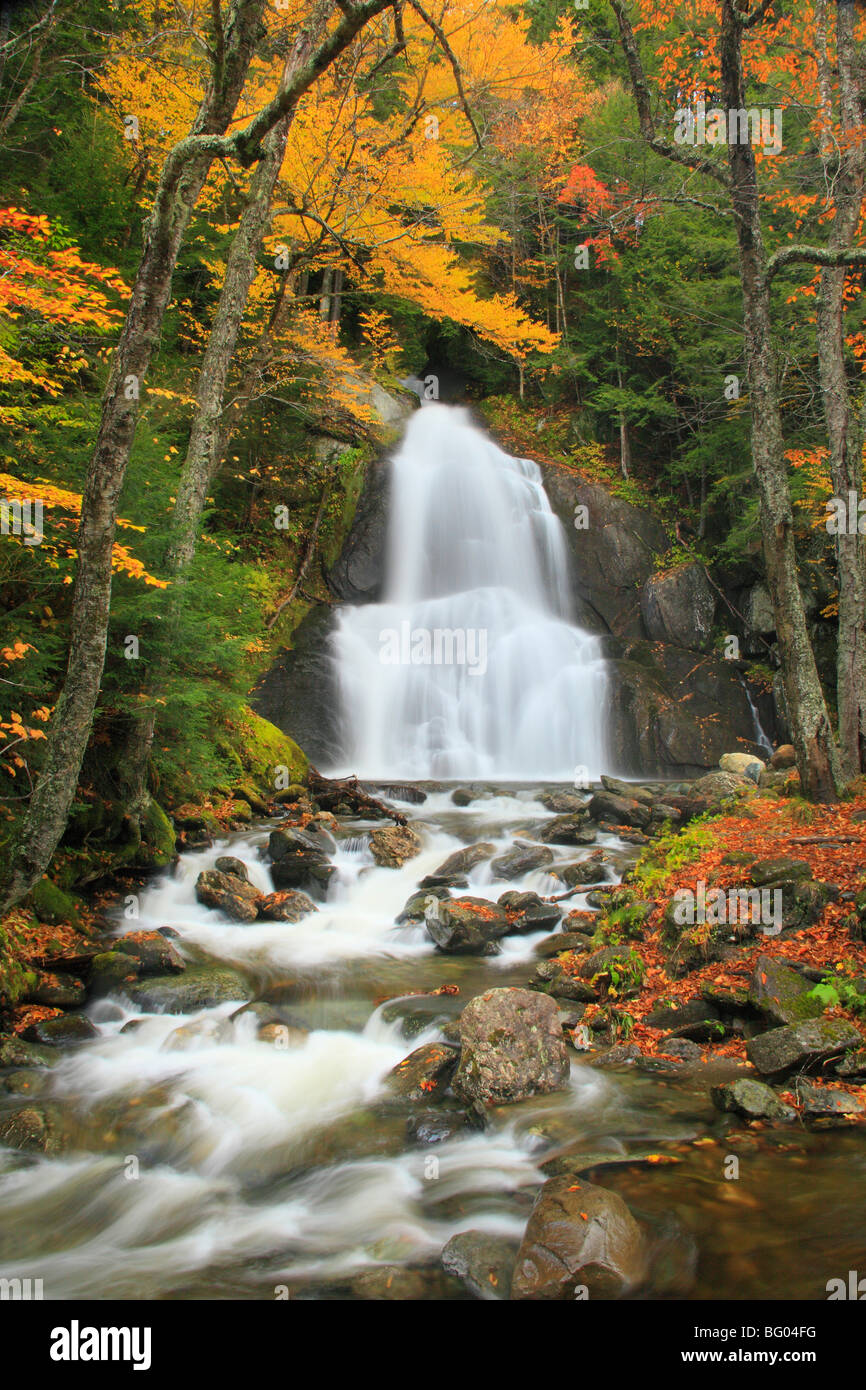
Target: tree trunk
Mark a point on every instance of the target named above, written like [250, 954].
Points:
[841, 409]
[811, 732]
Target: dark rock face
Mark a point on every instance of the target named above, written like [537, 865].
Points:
[679, 607]
[299, 860]
[233, 896]
[580, 1240]
[512, 1048]
[465, 926]
[612, 555]
[359, 573]
[531, 913]
[299, 693]
[520, 860]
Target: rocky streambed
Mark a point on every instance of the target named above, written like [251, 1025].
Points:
[334, 1057]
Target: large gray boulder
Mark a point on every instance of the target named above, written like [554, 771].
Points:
[512, 1048]
[464, 926]
[581, 1240]
[801, 1046]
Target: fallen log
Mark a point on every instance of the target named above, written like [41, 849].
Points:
[330, 792]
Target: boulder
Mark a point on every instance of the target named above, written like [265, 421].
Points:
[718, 787]
[299, 859]
[801, 1046]
[522, 859]
[569, 830]
[744, 764]
[465, 926]
[559, 977]
[425, 1074]
[781, 994]
[287, 906]
[65, 1031]
[229, 894]
[483, 1262]
[562, 803]
[414, 908]
[199, 987]
[57, 991]
[111, 972]
[784, 758]
[632, 791]
[824, 1109]
[619, 810]
[393, 845]
[512, 1048]
[584, 871]
[580, 1241]
[228, 864]
[774, 871]
[529, 912]
[154, 953]
[452, 872]
[679, 606]
[754, 1100]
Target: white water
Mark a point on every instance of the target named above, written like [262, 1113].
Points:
[473, 548]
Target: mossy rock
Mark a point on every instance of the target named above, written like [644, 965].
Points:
[53, 905]
[259, 753]
[158, 838]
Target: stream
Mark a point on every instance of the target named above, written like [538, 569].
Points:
[205, 1163]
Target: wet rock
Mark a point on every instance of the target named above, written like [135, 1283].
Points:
[464, 796]
[227, 893]
[33, 1129]
[283, 1035]
[417, 1012]
[619, 810]
[465, 926]
[455, 868]
[562, 803]
[705, 1030]
[289, 905]
[415, 907]
[559, 976]
[26, 1081]
[299, 859]
[584, 871]
[630, 790]
[685, 1049]
[781, 994]
[393, 845]
[767, 871]
[199, 987]
[580, 1240]
[399, 791]
[437, 1126]
[823, 1109]
[15, 1052]
[754, 1100]
[227, 864]
[620, 1055]
[529, 912]
[397, 1282]
[65, 1031]
[801, 1046]
[111, 971]
[512, 1048]
[562, 941]
[57, 991]
[675, 1015]
[569, 830]
[423, 1075]
[745, 764]
[203, 1031]
[520, 860]
[484, 1263]
[154, 953]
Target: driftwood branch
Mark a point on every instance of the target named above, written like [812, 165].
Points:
[329, 792]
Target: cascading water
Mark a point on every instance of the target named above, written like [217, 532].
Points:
[470, 666]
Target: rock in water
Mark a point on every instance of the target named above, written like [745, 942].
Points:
[228, 894]
[288, 906]
[522, 859]
[484, 1262]
[391, 847]
[452, 872]
[424, 1074]
[801, 1046]
[578, 1237]
[464, 926]
[754, 1100]
[512, 1048]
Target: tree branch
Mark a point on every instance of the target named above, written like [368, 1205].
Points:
[455, 66]
[748, 21]
[676, 153]
[815, 255]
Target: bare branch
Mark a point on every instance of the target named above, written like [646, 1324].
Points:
[455, 66]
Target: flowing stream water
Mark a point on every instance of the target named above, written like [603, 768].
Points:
[200, 1161]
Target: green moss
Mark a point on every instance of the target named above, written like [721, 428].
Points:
[52, 904]
[157, 833]
[264, 752]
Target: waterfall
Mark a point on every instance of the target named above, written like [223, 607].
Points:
[470, 666]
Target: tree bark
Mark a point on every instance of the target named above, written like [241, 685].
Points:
[842, 410]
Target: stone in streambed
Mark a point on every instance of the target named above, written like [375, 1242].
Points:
[529, 912]
[562, 941]
[227, 893]
[484, 1263]
[289, 905]
[155, 954]
[15, 1052]
[57, 991]
[228, 864]
[560, 977]
[424, 1074]
[522, 859]
[569, 830]
[465, 926]
[112, 971]
[619, 810]
[632, 791]
[392, 846]
[414, 908]
[299, 858]
[823, 1109]
[584, 871]
[199, 987]
[563, 803]
[452, 872]
[581, 1240]
[801, 1046]
[754, 1100]
[61, 1032]
[512, 1048]
[781, 994]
